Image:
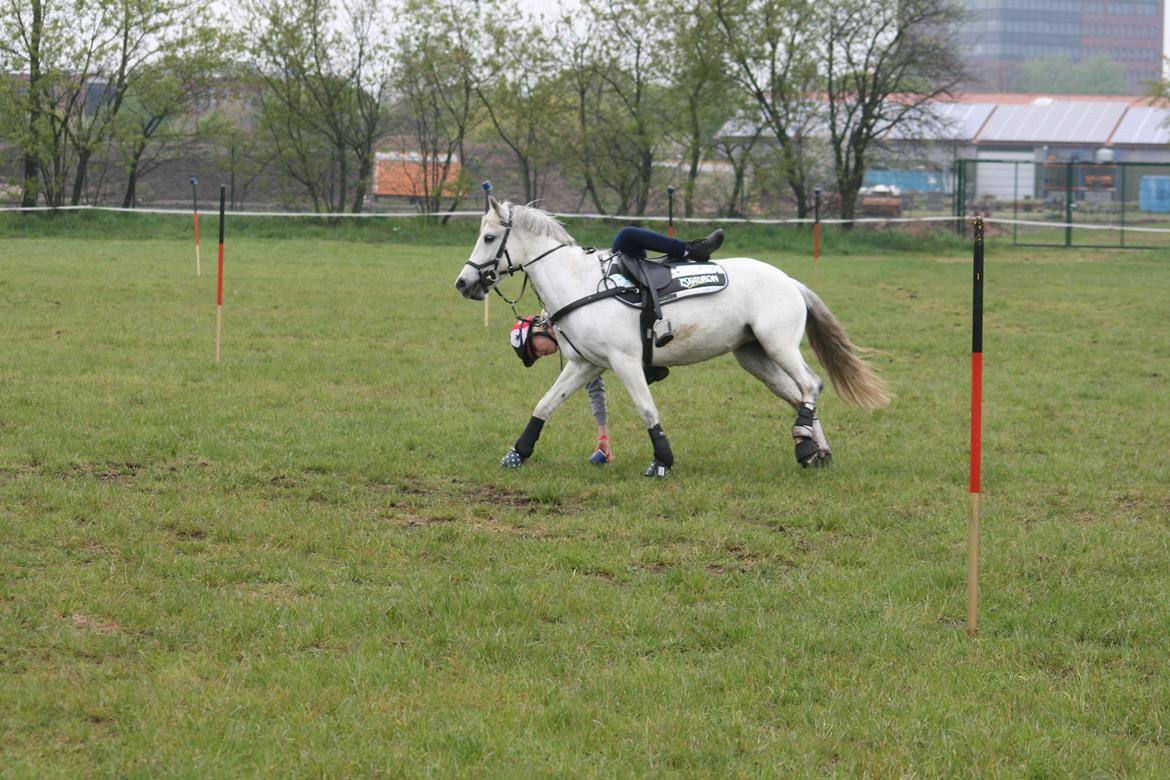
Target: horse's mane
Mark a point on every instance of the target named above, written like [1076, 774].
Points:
[540, 222]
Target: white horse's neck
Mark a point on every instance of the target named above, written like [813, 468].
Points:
[560, 277]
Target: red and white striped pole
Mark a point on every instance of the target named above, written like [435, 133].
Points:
[976, 431]
[219, 285]
[195, 211]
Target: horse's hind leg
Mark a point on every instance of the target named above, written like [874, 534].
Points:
[812, 448]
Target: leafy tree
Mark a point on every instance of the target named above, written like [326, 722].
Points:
[23, 29]
[83, 58]
[630, 69]
[1097, 75]
[522, 97]
[701, 95]
[612, 65]
[139, 33]
[325, 74]
[438, 77]
[62, 45]
[156, 121]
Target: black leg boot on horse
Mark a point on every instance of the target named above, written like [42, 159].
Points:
[809, 452]
[663, 457]
[524, 446]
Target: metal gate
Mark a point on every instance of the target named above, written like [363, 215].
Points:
[1070, 204]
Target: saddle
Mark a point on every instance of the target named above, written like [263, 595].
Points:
[657, 283]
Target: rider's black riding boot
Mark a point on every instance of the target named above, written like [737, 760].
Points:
[700, 251]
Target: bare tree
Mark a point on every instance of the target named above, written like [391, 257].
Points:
[884, 62]
[771, 45]
[737, 147]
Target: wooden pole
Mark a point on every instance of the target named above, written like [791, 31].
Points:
[195, 211]
[976, 430]
[219, 285]
[487, 194]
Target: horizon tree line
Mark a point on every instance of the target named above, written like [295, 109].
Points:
[101, 91]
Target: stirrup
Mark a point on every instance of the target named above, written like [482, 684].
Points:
[665, 338]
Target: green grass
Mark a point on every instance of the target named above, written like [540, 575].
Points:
[306, 562]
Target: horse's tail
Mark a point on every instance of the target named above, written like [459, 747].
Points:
[854, 380]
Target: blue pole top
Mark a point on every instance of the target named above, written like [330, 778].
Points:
[487, 186]
[194, 181]
[670, 190]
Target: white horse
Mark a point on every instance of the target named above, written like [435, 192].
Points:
[760, 317]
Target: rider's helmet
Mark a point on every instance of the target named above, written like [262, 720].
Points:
[521, 337]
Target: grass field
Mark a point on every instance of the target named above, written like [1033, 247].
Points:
[306, 562]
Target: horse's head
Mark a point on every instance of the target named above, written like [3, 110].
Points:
[490, 259]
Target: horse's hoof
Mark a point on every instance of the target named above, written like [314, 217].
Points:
[818, 459]
[806, 451]
[657, 470]
[512, 460]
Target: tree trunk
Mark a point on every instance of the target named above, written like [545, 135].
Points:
[365, 170]
[694, 152]
[83, 156]
[32, 161]
[129, 200]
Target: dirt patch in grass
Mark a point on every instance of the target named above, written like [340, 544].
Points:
[94, 624]
[107, 472]
[411, 522]
[486, 494]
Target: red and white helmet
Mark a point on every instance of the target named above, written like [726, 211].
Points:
[521, 338]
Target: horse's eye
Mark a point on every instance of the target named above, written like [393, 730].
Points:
[488, 239]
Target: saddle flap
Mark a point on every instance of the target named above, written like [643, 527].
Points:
[645, 273]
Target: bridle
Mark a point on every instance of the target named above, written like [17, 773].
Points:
[488, 275]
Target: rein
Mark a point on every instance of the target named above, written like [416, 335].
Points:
[489, 275]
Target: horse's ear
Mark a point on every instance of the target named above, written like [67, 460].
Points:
[496, 207]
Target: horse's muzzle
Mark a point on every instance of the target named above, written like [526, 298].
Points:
[474, 290]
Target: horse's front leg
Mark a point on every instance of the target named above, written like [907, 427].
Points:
[634, 378]
[572, 378]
